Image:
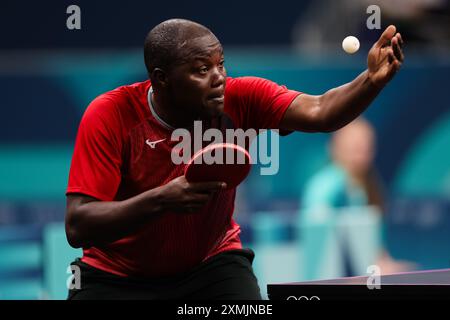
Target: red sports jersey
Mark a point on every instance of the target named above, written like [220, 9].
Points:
[114, 159]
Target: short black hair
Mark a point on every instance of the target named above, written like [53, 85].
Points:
[161, 46]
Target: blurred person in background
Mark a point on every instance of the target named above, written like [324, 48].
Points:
[351, 180]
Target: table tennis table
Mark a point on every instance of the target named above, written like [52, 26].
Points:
[421, 285]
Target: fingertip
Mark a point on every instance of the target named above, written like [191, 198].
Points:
[386, 36]
[390, 31]
[395, 66]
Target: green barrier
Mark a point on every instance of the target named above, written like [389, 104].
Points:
[57, 257]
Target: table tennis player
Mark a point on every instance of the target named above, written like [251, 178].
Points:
[148, 233]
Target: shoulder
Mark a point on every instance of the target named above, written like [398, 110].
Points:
[116, 104]
[102, 111]
[254, 87]
[246, 82]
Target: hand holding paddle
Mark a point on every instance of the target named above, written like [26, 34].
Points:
[189, 193]
[179, 195]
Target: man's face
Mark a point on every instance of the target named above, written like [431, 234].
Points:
[197, 81]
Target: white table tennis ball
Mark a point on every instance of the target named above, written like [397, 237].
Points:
[350, 44]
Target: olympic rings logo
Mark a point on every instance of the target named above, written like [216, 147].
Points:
[303, 298]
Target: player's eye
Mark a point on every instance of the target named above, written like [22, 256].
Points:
[203, 70]
[221, 63]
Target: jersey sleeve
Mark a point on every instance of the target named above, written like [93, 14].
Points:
[97, 159]
[258, 103]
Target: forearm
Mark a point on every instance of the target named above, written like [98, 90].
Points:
[102, 222]
[341, 105]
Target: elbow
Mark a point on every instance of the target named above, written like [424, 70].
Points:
[73, 237]
[73, 233]
[77, 225]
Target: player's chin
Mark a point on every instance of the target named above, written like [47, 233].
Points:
[214, 108]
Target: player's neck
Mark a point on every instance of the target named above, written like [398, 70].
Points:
[172, 117]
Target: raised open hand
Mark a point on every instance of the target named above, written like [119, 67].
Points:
[385, 57]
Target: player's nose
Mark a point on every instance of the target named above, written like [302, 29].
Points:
[218, 78]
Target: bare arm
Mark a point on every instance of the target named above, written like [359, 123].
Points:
[339, 106]
[91, 222]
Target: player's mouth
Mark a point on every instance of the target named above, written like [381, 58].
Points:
[218, 99]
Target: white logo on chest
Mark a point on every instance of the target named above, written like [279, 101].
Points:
[152, 144]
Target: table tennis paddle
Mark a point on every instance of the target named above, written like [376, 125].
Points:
[231, 171]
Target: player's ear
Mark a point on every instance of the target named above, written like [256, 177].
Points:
[159, 77]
